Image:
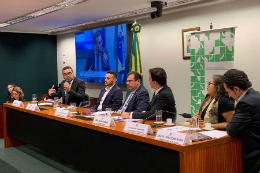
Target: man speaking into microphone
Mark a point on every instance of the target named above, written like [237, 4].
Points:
[97, 59]
[71, 89]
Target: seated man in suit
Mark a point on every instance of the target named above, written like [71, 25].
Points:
[111, 95]
[246, 120]
[162, 99]
[71, 89]
[137, 98]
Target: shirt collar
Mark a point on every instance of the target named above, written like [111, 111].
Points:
[157, 91]
[243, 95]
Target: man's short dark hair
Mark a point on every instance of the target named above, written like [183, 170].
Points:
[96, 35]
[159, 75]
[113, 73]
[67, 67]
[238, 78]
[136, 75]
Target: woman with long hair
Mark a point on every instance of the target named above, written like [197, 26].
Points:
[217, 108]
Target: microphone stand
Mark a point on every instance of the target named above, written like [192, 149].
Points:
[78, 108]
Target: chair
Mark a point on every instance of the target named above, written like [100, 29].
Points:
[87, 101]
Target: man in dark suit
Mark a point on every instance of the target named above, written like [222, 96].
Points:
[246, 120]
[137, 98]
[111, 95]
[162, 99]
[71, 89]
[97, 59]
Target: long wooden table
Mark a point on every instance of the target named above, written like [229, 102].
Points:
[110, 149]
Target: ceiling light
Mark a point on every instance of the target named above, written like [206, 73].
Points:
[122, 16]
[56, 7]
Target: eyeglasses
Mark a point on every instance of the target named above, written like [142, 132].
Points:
[211, 83]
[129, 81]
[67, 74]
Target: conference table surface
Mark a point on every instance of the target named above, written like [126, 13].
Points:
[214, 155]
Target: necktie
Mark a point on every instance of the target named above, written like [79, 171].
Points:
[66, 96]
[127, 102]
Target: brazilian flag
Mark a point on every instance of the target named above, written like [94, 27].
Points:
[135, 59]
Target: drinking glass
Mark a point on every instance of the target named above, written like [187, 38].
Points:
[72, 107]
[108, 111]
[158, 116]
[56, 102]
[34, 97]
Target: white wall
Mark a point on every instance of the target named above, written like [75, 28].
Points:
[161, 45]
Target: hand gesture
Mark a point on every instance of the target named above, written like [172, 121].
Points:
[52, 90]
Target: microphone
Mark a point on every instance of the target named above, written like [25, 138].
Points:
[78, 108]
[185, 115]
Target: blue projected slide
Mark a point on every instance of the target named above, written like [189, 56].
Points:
[100, 50]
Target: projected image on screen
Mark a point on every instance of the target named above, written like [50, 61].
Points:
[100, 50]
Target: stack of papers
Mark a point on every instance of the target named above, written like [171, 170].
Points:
[119, 118]
[176, 128]
[215, 133]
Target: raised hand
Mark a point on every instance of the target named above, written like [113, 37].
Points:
[52, 90]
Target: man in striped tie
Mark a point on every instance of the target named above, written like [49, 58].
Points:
[137, 98]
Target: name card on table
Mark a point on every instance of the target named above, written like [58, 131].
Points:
[173, 137]
[138, 128]
[62, 112]
[104, 120]
[17, 103]
[32, 107]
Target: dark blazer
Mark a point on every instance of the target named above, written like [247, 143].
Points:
[76, 93]
[90, 64]
[113, 99]
[139, 101]
[246, 123]
[164, 101]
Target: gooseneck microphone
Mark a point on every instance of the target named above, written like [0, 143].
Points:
[185, 115]
[78, 108]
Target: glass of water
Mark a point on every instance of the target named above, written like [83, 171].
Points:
[108, 111]
[34, 97]
[158, 116]
[56, 102]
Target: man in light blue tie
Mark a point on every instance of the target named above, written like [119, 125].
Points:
[137, 98]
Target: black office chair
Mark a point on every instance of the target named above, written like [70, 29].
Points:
[87, 101]
[255, 168]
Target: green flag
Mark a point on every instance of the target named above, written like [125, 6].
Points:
[135, 59]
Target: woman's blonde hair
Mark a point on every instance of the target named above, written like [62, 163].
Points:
[19, 91]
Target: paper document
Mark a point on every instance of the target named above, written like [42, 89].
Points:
[90, 116]
[176, 128]
[119, 118]
[44, 104]
[215, 133]
[101, 113]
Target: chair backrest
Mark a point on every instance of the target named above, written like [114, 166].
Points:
[87, 101]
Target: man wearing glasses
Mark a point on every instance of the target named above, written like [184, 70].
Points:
[137, 98]
[97, 59]
[71, 89]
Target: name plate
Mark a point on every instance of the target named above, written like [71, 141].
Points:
[17, 103]
[173, 137]
[32, 107]
[104, 120]
[62, 112]
[138, 128]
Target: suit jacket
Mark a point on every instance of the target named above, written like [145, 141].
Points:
[76, 93]
[113, 99]
[139, 101]
[164, 101]
[246, 123]
[90, 64]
